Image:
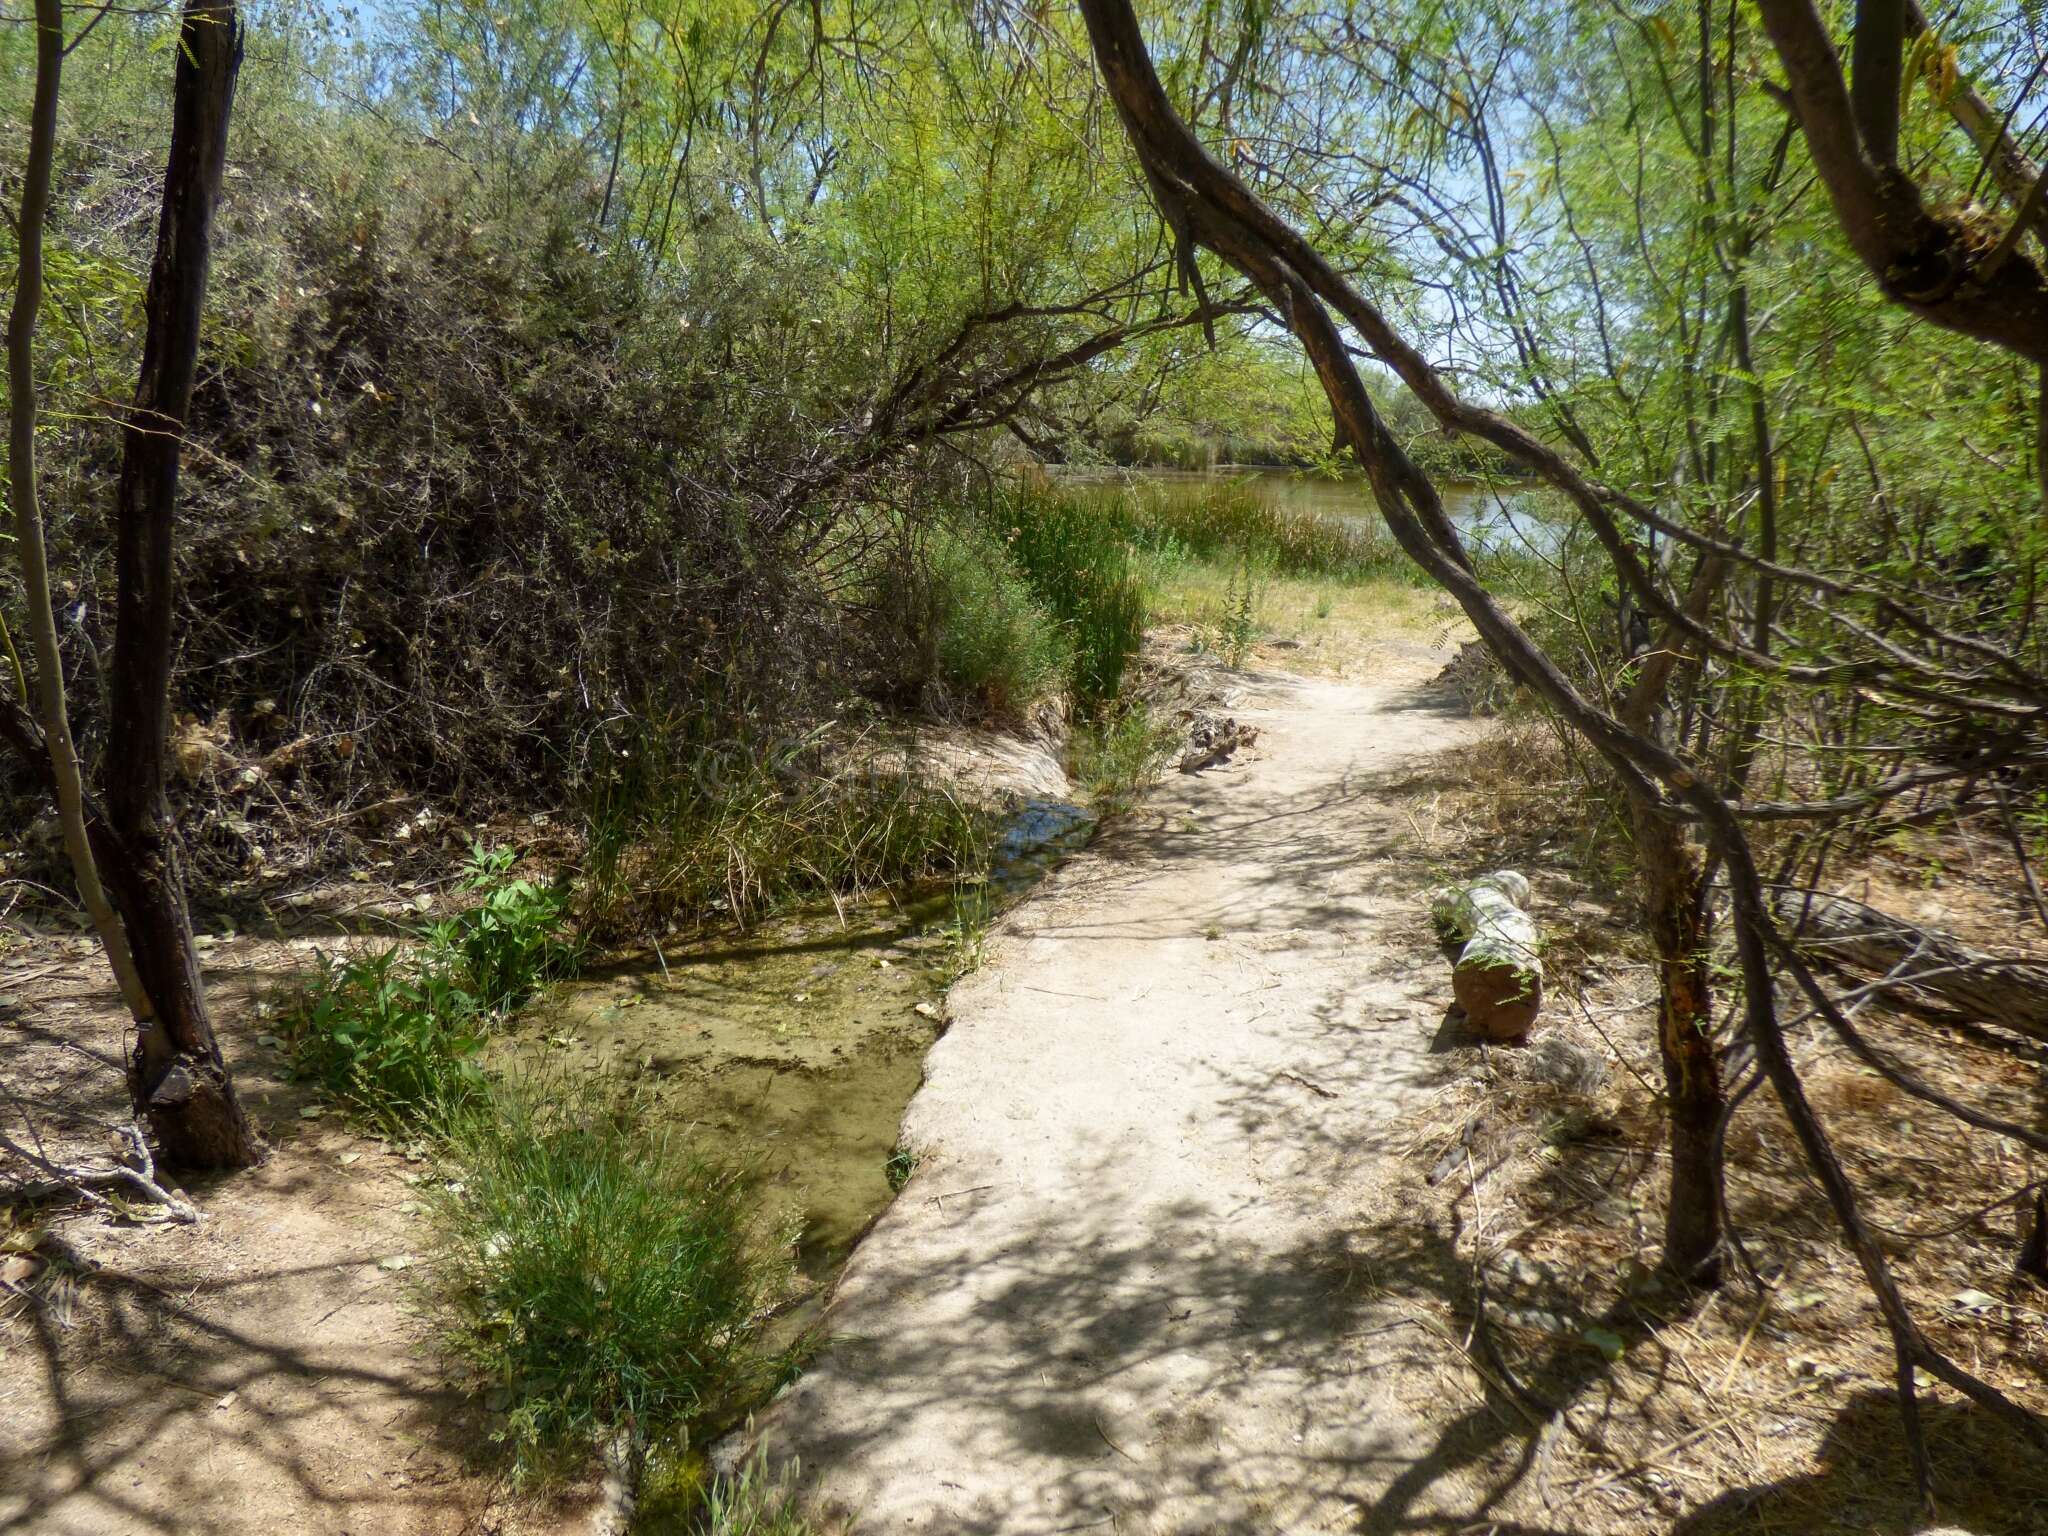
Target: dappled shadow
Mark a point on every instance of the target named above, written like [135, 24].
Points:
[1198, 1304]
[1197, 1286]
[253, 1372]
[1179, 1383]
[1985, 1481]
[149, 1399]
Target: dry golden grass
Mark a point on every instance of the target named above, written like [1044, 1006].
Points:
[1324, 626]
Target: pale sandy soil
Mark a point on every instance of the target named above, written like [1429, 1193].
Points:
[259, 1371]
[1211, 1192]
[1208, 1183]
[1128, 1286]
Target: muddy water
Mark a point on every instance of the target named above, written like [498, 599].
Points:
[794, 1048]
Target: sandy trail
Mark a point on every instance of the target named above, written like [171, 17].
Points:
[1126, 1288]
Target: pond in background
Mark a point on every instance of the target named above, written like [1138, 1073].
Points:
[1493, 519]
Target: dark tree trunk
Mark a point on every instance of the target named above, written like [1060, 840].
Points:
[1679, 924]
[176, 1075]
[1677, 921]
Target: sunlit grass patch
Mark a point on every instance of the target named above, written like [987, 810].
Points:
[595, 1271]
[1333, 626]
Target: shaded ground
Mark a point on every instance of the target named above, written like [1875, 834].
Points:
[1209, 1194]
[252, 1373]
[263, 1370]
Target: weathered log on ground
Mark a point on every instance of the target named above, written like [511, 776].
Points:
[1497, 977]
[2012, 993]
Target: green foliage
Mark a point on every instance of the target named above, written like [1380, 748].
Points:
[1226, 521]
[1235, 628]
[994, 643]
[1119, 756]
[685, 832]
[517, 337]
[598, 1272]
[678, 1497]
[1078, 563]
[393, 1034]
[512, 938]
[753, 1502]
[901, 1164]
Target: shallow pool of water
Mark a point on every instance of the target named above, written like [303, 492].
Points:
[793, 1049]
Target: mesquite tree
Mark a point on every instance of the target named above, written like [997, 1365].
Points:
[177, 1078]
[1882, 639]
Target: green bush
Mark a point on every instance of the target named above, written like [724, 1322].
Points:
[1235, 628]
[389, 1036]
[393, 1034]
[1074, 551]
[993, 641]
[592, 1267]
[512, 939]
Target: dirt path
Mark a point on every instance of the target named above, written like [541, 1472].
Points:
[1127, 1287]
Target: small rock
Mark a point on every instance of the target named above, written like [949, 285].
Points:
[1519, 1269]
[1564, 1063]
[18, 1269]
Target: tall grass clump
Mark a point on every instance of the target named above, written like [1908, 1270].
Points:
[994, 644]
[596, 1271]
[1118, 757]
[680, 1498]
[1231, 522]
[393, 1033]
[1074, 550]
[684, 834]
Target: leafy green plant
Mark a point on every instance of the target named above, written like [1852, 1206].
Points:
[388, 1036]
[681, 1496]
[595, 1270]
[393, 1033]
[966, 931]
[512, 939]
[1236, 628]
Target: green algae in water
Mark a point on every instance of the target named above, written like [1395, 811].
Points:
[793, 1049]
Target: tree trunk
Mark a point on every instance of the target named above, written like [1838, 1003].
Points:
[1996, 989]
[1676, 917]
[176, 1074]
[1497, 976]
[1680, 924]
[60, 755]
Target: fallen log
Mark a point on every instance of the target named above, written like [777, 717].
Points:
[1497, 976]
[1993, 990]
